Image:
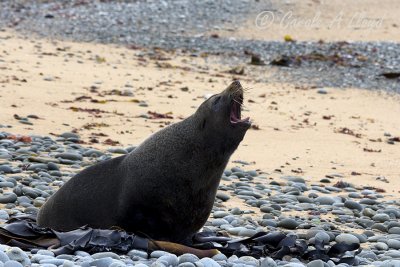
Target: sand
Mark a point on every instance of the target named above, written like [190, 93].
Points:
[314, 20]
[299, 129]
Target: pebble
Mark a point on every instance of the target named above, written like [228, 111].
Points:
[381, 217]
[168, 260]
[323, 236]
[102, 262]
[207, 262]
[4, 216]
[268, 262]
[187, 257]
[18, 255]
[222, 196]
[288, 223]
[69, 156]
[134, 254]
[101, 255]
[324, 200]
[394, 230]
[393, 243]
[353, 205]
[381, 246]
[347, 238]
[13, 263]
[316, 263]
[3, 257]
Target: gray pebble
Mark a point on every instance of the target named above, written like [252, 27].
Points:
[134, 254]
[393, 243]
[169, 259]
[394, 230]
[8, 198]
[381, 217]
[268, 262]
[4, 215]
[247, 232]
[381, 246]
[288, 223]
[347, 238]
[69, 156]
[102, 262]
[69, 135]
[187, 257]
[101, 255]
[316, 263]
[207, 262]
[323, 236]
[324, 200]
[353, 205]
[158, 253]
[219, 257]
[12, 263]
[3, 257]
[18, 254]
[52, 261]
[220, 214]
[222, 196]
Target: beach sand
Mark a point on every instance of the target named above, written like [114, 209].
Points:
[297, 131]
[320, 20]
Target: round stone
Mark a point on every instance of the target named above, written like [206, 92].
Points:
[220, 214]
[3, 257]
[101, 255]
[268, 262]
[168, 260]
[288, 223]
[219, 222]
[102, 262]
[222, 196]
[381, 217]
[381, 246]
[316, 263]
[324, 200]
[393, 243]
[69, 156]
[8, 198]
[347, 238]
[323, 237]
[207, 262]
[353, 205]
[12, 263]
[187, 257]
[134, 254]
[394, 230]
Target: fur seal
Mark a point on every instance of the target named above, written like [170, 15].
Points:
[165, 188]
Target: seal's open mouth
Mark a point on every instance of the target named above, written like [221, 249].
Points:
[236, 106]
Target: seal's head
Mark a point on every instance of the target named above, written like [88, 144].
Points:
[220, 116]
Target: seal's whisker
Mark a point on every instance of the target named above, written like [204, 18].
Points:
[241, 104]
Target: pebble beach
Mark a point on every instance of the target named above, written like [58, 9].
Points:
[85, 81]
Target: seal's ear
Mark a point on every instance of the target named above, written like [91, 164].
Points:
[203, 124]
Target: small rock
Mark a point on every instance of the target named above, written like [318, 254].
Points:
[187, 257]
[381, 217]
[288, 223]
[316, 263]
[347, 238]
